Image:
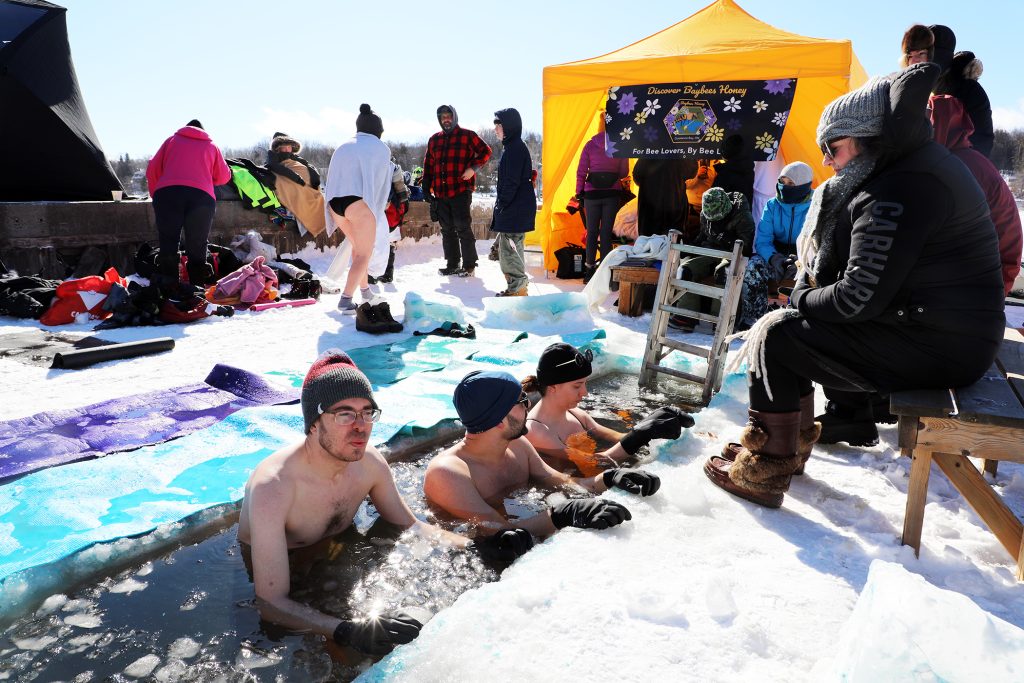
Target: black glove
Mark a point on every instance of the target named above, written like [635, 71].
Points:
[589, 513]
[664, 423]
[633, 481]
[378, 635]
[433, 210]
[503, 546]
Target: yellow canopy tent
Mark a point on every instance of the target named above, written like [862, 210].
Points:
[720, 42]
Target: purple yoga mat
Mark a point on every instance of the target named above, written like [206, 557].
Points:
[58, 437]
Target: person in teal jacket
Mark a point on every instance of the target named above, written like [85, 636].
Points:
[775, 241]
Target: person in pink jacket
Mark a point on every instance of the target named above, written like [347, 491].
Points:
[182, 175]
[600, 192]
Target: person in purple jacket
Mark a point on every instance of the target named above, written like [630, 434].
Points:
[599, 189]
[182, 175]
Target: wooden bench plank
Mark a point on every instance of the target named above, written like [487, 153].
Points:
[635, 274]
[921, 403]
[990, 400]
[992, 442]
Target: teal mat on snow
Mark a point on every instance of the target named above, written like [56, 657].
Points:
[48, 515]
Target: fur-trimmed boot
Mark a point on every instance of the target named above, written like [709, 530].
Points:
[810, 431]
[766, 463]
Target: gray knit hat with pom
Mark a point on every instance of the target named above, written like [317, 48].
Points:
[333, 377]
[859, 113]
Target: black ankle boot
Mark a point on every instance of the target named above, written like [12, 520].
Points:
[855, 426]
[389, 272]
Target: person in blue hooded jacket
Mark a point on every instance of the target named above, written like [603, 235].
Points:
[515, 208]
[775, 241]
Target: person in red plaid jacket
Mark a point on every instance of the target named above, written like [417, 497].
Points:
[449, 169]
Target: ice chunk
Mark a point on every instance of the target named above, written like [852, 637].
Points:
[83, 620]
[35, 644]
[52, 604]
[183, 648]
[174, 670]
[426, 315]
[142, 667]
[129, 586]
[905, 629]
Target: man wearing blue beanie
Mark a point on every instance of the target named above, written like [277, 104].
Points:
[469, 480]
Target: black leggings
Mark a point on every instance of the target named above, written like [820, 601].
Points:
[863, 357]
[179, 207]
[600, 219]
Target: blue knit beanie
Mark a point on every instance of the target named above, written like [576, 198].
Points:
[483, 399]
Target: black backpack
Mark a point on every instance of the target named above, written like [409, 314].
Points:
[571, 260]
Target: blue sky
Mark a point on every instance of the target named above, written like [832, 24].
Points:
[249, 68]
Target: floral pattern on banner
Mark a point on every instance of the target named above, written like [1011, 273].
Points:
[693, 120]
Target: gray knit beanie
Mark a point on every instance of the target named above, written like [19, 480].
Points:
[799, 172]
[333, 377]
[859, 113]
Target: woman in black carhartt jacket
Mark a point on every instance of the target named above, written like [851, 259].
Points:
[901, 288]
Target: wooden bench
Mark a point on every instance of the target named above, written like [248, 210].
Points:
[984, 420]
[631, 294]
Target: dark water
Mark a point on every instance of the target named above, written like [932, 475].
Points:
[188, 615]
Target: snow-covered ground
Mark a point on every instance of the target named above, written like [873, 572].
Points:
[699, 585]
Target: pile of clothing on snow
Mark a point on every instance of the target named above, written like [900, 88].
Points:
[246, 272]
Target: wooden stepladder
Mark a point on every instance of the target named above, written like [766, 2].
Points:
[670, 288]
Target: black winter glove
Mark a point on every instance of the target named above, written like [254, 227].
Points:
[378, 635]
[433, 210]
[664, 423]
[503, 546]
[633, 481]
[589, 513]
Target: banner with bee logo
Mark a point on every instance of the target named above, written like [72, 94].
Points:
[695, 119]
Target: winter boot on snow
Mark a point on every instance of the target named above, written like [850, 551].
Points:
[810, 431]
[369, 321]
[766, 462]
[383, 312]
[853, 424]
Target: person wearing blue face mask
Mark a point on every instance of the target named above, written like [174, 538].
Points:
[774, 256]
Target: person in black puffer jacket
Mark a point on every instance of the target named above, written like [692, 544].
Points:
[515, 207]
[961, 81]
[736, 173]
[900, 284]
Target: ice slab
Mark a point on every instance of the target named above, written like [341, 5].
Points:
[905, 629]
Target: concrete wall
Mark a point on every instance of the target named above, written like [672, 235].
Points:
[47, 238]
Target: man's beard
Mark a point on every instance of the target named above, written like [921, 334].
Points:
[447, 126]
[344, 452]
[515, 431]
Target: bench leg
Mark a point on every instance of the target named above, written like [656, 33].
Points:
[625, 297]
[991, 467]
[917, 496]
[986, 502]
[636, 301]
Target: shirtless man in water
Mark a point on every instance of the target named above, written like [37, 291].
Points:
[469, 480]
[310, 491]
[562, 431]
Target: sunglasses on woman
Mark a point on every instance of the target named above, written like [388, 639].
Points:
[579, 359]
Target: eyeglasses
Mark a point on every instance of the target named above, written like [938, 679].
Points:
[524, 400]
[345, 417]
[579, 359]
[828, 148]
